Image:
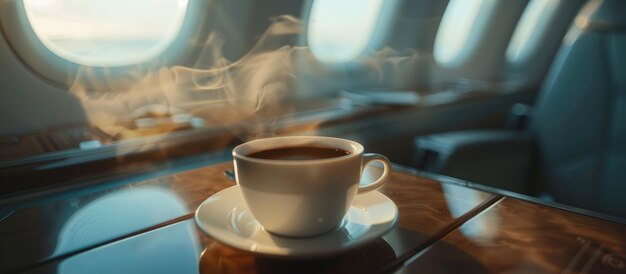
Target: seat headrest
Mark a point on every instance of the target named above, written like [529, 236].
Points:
[603, 15]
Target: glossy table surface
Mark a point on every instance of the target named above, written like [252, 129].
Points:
[147, 226]
[514, 236]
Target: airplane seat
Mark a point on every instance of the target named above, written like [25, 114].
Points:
[574, 148]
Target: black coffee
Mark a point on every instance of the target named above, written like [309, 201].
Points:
[299, 153]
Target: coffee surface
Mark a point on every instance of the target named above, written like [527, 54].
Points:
[299, 153]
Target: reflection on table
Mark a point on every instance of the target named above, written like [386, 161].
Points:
[523, 237]
[443, 226]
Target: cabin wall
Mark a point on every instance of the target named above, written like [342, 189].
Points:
[28, 102]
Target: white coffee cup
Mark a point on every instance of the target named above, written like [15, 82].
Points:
[303, 198]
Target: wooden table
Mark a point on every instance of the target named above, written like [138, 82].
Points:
[444, 227]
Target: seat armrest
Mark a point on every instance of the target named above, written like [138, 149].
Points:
[520, 117]
[498, 158]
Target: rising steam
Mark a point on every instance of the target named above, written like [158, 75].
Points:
[252, 91]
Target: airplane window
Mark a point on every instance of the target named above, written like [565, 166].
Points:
[339, 31]
[454, 32]
[532, 24]
[106, 33]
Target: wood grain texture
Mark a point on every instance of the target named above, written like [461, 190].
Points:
[426, 208]
[218, 258]
[31, 234]
[515, 236]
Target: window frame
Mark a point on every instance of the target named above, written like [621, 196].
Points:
[482, 57]
[31, 51]
[474, 36]
[518, 53]
[380, 32]
[536, 61]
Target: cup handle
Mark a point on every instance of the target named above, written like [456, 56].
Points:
[369, 157]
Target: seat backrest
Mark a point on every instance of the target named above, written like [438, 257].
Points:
[580, 120]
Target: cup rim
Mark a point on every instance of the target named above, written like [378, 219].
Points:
[358, 151]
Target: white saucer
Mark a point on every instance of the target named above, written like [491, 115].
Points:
[226, 217]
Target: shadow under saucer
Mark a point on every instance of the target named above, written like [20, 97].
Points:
[369, 258]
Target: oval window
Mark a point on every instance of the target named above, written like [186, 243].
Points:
[106, 33]
[532, 24]
[455, 29]
[340, 31]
